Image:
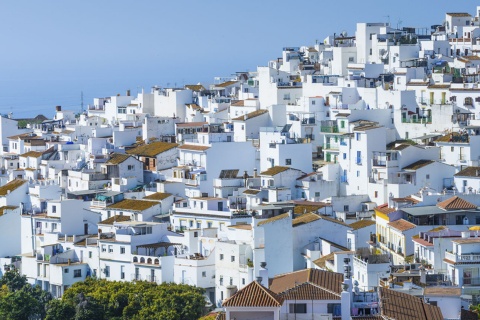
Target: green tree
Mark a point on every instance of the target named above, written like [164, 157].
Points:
[58, 310]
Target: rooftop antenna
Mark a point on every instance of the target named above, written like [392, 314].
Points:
[388, 19]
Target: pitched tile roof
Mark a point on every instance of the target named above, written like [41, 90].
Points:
[193, 147]
[458, 14]
[11, 186]
[403, 306]
[254, 295]
[320, 262]
[273, 219]
[251, 191]
[456, 203]
[402, 225]
[469, 172]
[305, 218]
[442, 291]
[117, 158]
[308, 291]
[418, 164]
[133, 205]
[327, 280]
[305, 208]
[190, 124]
[360, 224]
[158, 196]
[2, 209]
[34, 154]
[251, 115]
[327, 218]
[116, 218]
[195, 87]
[152, 149]
[274, 170]
[225, 84]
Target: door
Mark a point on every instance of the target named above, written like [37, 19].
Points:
[85, 228]
[220, 206]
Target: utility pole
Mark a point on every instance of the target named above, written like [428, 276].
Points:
[81, 101]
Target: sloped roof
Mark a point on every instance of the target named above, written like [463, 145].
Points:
[195, 87]
[384, 208]
[117, 158]
[360, 224]
[327, 280]
[152, 149]
[116, 218]
[158, 196]
[320, 262]
[418, 164]
[11, 186]
[402, 225]
[273, 219]
[274, 170]
[469, 172]
[34, 154]
[456, 203]
[305, 218]
[458, 14]
[403, 306]
[193, 147]
[251, 115]
[254, 295]
[251, 191]
[225, 84]
[308, 291]
[133, 205]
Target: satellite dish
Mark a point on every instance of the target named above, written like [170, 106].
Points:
[344, 34]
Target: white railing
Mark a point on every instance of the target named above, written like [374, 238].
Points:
[462, 257]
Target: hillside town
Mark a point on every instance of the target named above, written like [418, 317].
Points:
[341, 180]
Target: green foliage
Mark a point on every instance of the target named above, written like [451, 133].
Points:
[57, 310]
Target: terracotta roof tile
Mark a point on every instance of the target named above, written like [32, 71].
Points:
[327, 280]
[251, 191]
[254, 295]
[158, 196]
[456, 203]
[442, 291]
[360, 224]
[384, 208]
[117, 158]
[274, 170]
[402, 225]
[34, 154]
[116, 218]
[305, 218]
[273, 219]
[133, 205]
[458, 14]
[403, 306]
[152, 149]
[225, 84]
[11, 186]
[418, 164]
[190, 124]
[320, 262]
[193, 147]
[251, 115]
[308, 291]
[469, 172]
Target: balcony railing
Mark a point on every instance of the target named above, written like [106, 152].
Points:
[333, 129]
[417, 120]
[462, 257]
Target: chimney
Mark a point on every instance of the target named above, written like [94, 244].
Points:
[255, 173]
[128, 93]
[58, 108]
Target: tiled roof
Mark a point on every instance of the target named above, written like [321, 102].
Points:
[274, 170]
[133, 205]
[254, 295]
[327, 218]
[384, 208]
[225, 84]
[308, 291]
[158, 196]
[34, 154]
[448, 137]
[360, 224]
[469, 172]
[152, 149]
[11, 186]
[195, 87]
[305, 208]
[402, 225]
[115, 218]
[273, 219]
[190, 124]
[418, 164]
[439, 86]
[320, 262]
[403, 306]
[442, 291]
[2, 209]
[466, 240]
[239, 103]
[330, 281]
[251, 191]
[458, 14]
[251, 115]
[117, 158]
[193, 147]
[305, 218]
[456, 203]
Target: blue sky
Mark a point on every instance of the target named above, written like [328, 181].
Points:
[52, 50]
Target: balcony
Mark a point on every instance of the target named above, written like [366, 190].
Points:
[426, 120]
[329, 129]
[473, 257]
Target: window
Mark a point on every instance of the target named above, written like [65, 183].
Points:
[122, 250]
[221, 256]
[107, 271]
[452, 149]
[90, 254]
[371, 51]
[122, 272]
[204, 274]
[350, 59]
[288, 162]
[313, 102]
[191, 223]
[54, 209]
[209, 224]
[334, 309]
[427, 176]
[243, 280]
[231, 281]
[110, 248]
[195, 234]
[54, 226]
[221, 280]
[297, 308]
[65, 270]
[232, 258]
[477, 220]
[344, 155]
[346, 208]
[376, 194]
[131, 167]
[104, 248]
[358, 173]
[357, 136]
[286, 96]
[317, 194]
[77, 273]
